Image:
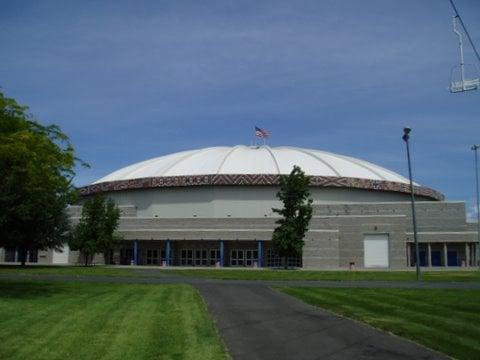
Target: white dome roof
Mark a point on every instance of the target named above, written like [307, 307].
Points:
[242, 159]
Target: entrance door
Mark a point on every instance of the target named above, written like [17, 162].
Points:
[10, 254]
[214, 256]
[126, 256]
[152, 257]
[423, 257]
[375, 250]
[250, 257]
[436, 258]
[201, 257]
[237, 257]
[452, 258]
[186, 257]
[241, 257]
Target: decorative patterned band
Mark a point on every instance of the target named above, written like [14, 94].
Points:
[255, 179]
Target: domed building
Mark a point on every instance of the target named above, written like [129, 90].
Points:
[213, 207]
[242, 181]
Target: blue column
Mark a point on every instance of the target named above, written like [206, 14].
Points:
[222, 253]
[167, 252]
[260, 253]
[135, 252]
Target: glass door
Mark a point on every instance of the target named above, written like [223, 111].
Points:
[201, 257]
[186, 257]
[152, 257]
[214, 256]
[251, 256]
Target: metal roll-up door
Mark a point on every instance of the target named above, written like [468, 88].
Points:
[376, 251]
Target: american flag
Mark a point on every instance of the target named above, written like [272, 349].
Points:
[261, 133]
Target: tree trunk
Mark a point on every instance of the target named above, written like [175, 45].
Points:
[285, 263]
[107, 257]
[86, 260]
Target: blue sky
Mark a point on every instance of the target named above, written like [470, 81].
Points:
[131, 80]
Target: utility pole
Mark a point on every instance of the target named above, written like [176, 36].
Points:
[477, 256]
[406, 137]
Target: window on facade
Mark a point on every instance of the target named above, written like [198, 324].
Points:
[274, 260]
[10, 254]
[243, 257]
[33, 256]
[214, 256]
[152, 257]
[126, 256]
[186, 257]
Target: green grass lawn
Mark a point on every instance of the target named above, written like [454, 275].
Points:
[72, 270]
[239, 274]
[329, 275]
[444, 320]
[42, 320]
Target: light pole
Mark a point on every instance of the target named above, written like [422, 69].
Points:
[406, 137]
[477, 256]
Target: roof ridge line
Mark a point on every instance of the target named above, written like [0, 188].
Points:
[273, 157]
[195, 152]
[226, 156]
[307, 152]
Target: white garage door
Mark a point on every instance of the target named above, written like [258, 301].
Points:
[375, 250]
[61, 257]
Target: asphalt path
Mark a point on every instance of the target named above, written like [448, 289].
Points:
[257, 322]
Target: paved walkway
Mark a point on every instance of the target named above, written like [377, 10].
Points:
[257, 322]
[260, 323]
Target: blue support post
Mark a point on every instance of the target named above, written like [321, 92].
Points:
[222, 253]
[135, 252]
[260, 253]
[167, 252]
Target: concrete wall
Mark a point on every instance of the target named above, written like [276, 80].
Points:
[233, 201]
[336, 235]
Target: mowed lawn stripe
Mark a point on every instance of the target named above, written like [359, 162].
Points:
[242, 274]
[399, 312]
[41, 317]
[416, 310]
[390, 311]
[434, 309]
[105, 321]
[409, 313]
[73, 319]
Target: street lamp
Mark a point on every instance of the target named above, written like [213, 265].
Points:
[406, 137]
[475, 149]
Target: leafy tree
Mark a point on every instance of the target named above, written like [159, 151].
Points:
[36, 170]
[296, 214]
[110, 238]
[95, 231]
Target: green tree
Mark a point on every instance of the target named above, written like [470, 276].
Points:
[296, 214]
[110, 238]
[37, 165]
[95, 232]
